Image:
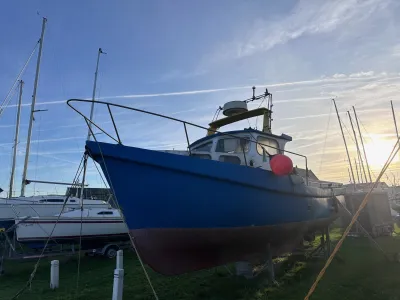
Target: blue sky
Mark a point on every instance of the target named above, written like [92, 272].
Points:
[185, 58]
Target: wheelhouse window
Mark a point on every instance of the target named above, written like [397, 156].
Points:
[201, 156]
[204, 147]
[233, 145]
[267, 144]
[230, 159]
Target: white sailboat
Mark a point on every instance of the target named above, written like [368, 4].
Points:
[14, 207]
[48, 205]
[90, 227]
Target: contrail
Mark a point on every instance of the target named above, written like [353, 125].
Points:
[207, 91]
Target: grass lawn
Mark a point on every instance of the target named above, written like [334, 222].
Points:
[361, 273]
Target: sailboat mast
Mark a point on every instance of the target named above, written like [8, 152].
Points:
[394, 119]
[345, 144]
[362, 171]
[358, 175]
[94, 91]
[10, 190]
[28, 142]
[362, 144]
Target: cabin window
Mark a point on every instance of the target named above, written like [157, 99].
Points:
[202, 156]
[230, 159]
[105, 213]
[204, 147]
[233, 145]
[72, 200]
[53, 200]
[267, 143]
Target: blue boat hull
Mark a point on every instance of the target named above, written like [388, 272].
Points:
[186, 213]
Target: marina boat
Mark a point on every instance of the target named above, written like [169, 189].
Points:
[91, 227]
[44, 206]
[230, 196]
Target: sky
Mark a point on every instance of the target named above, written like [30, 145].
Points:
[186, 58]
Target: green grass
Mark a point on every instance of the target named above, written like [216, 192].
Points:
[361, 273]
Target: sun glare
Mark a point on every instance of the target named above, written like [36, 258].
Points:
[378, 152]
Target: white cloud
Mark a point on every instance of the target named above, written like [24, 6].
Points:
[308, 17]
[362, 74]
[339, 75]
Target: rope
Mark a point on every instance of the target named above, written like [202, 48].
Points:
[7, 98]
[123, 217]
[32, 275]
[353, 220]
[81, 225]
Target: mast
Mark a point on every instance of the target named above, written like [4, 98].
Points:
[28, 142]
[94, 91]
[358, 150]
[345, 144]
[362, 144]
[358, 176]
[10, 190]
[394, 119]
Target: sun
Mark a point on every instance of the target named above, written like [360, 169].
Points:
[379, 151]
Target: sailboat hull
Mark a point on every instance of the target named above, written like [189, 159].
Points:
[187, 214]
[88, 232]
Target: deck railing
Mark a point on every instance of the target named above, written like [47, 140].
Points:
[184, 123]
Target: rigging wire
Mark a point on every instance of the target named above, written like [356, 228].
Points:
[32, 275]
[13, 140]
[7, 98]
[326, 137]
[37, 153]
[81, 225]
[123, 217]
[394, 152]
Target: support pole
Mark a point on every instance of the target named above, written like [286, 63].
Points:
[54, 274]
[120, 259]
[362, 144]
[28, 142]
[271, 271]
[345, 144]
[118, 286]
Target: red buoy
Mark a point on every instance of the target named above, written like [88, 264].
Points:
[281, 165]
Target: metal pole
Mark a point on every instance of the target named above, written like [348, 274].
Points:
[358, 176]
[394, 119]
[358, 150]
[28, 142]
[94, 91]
[83, 178]
[362, 144]
[345, 144]
[348, 170]
[28, 181]
[10, 191]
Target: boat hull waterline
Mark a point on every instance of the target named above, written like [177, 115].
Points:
[189, 214]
